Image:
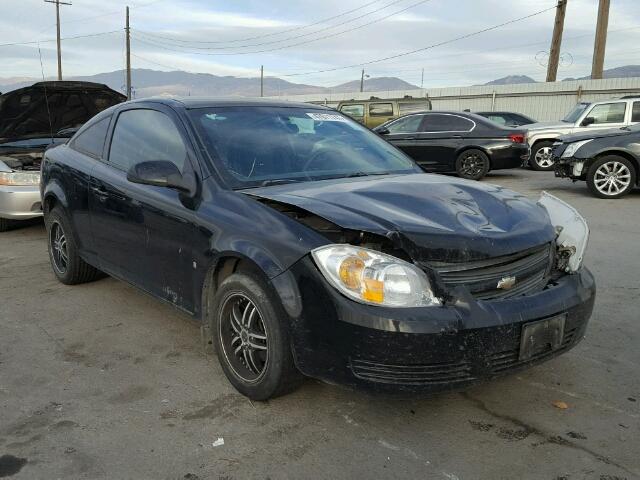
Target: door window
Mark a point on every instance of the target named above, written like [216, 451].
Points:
[409, 124]
[91, 139]
[381, 109]
[146, 135]
[353, 110]
[635, 113]
[446, 123]
[608, 113]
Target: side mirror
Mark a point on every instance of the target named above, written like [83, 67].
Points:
[383, 131]
[588, 121]
[161, 173]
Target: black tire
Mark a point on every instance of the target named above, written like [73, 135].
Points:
[472, 164]
[5, 224]
[622, 180]
[73, 270]
[262, 373]
[540, 158]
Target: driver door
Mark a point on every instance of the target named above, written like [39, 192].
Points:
[143, 233]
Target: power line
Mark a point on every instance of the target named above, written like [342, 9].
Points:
[330, 27]
[34, 42]
[324, 20]
[282, 47]
[432, 46]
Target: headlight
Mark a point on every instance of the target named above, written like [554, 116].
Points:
[19, 178]
[573, 231]
[375, 278]
[571, 150]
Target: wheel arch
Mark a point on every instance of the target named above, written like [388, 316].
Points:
[227, 263]
[53, 195]
[619, 153]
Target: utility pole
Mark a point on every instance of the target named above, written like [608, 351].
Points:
[601, 39]
[58, 3]
[556, 42]
[422, 79]
[128, 34]
[362, 81]
[262, 80]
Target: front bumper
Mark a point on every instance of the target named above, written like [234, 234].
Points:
[20, 202]
[426, 349]
[572, 168]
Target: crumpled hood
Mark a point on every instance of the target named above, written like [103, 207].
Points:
[432, 217]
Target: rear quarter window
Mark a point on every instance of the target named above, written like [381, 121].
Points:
[91, 139]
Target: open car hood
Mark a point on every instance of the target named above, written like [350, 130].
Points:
[432, 217]
[46, 108]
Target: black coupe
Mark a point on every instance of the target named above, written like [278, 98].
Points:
[307, 244]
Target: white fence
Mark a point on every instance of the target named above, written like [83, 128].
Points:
[542, 101]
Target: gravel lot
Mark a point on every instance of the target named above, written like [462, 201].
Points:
[101, 381]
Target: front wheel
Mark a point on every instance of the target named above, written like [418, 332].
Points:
[472, 164]
[611, 177]
[251, 338]
[541, 157]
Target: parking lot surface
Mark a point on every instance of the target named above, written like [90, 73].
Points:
[101, 381]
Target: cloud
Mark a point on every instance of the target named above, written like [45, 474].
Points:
[509, 50]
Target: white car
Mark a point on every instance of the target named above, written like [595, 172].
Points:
[585, 116]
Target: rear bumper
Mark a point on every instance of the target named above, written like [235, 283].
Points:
[20, 202]
[514, 156]
[427, 349]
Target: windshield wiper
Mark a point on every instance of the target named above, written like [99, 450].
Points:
[278, 181]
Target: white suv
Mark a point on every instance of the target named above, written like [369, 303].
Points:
[584, 116]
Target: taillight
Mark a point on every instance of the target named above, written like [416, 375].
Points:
[517, 137]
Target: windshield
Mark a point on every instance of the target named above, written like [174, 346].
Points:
[574, 115]
[259, 146]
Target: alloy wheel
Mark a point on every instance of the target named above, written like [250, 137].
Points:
[243, 337]
[612, 178]
[544, 158]
[471, 165]
[58, 243]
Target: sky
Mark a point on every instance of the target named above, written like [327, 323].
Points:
[295, 40]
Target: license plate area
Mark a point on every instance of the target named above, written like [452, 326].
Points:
[541, 336]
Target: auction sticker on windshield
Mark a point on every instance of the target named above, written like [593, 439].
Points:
[327, 117]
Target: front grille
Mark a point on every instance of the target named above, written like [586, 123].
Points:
[509, 359]
[530, 269]
[424, 374]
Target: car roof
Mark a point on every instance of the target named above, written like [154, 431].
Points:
[205, 102]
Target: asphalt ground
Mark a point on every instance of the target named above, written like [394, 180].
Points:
[100, 381]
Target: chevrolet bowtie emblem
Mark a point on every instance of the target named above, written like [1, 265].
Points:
[506, 283]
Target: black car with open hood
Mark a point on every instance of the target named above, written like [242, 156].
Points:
[306, 244]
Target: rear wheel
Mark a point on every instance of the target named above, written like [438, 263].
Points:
[66, 263]
[4, 224]
[541, 157]
[611, 177]
[472, 164]
[251, 338]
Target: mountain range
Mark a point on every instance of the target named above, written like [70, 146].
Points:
[148, 82]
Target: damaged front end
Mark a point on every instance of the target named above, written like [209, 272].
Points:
[475, 317]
